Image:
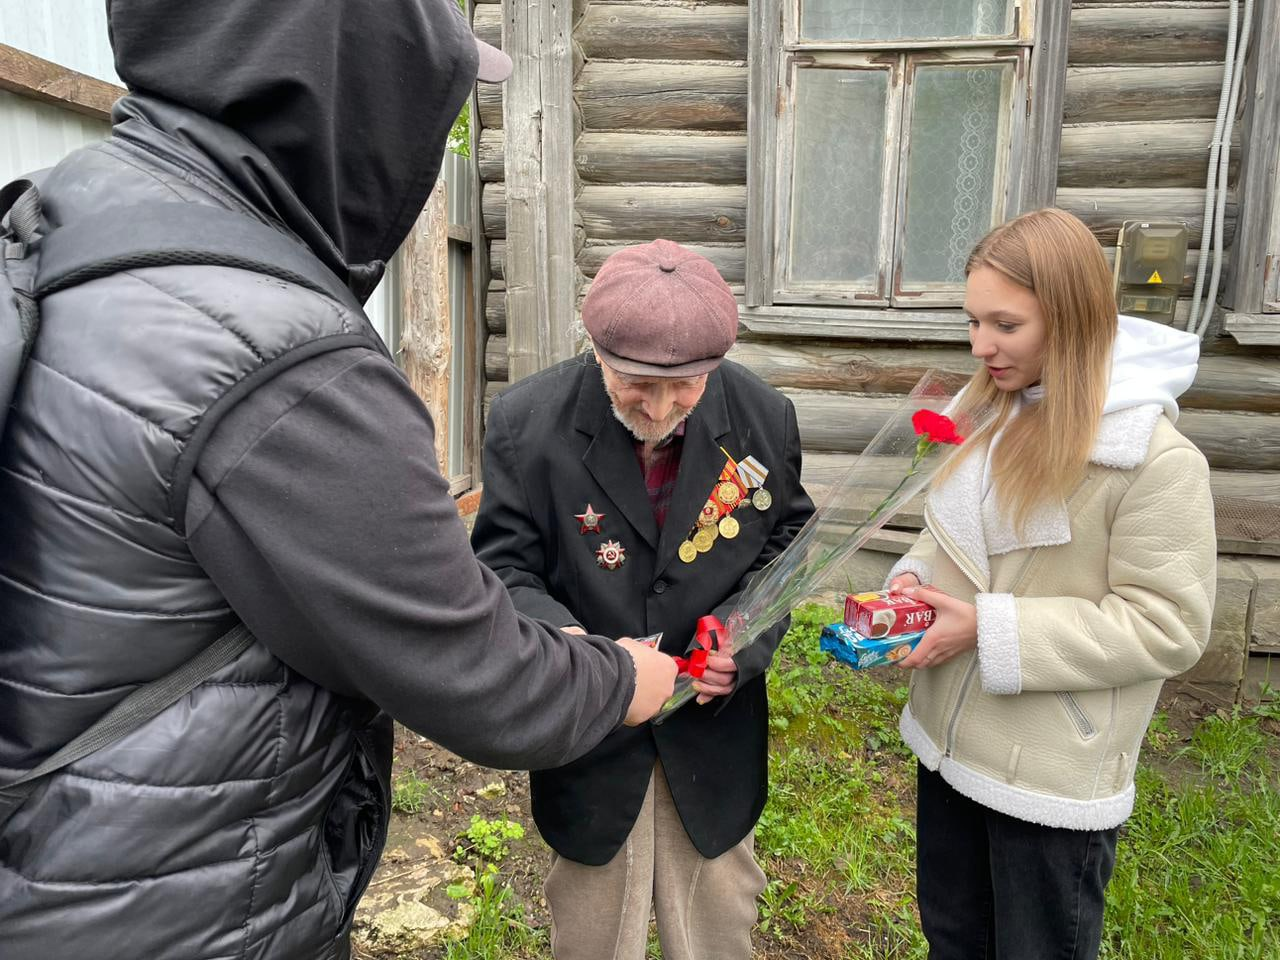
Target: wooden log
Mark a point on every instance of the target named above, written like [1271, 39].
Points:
[1170, 153]
[821, 366]
[493, 203]
[30, 76]
[491, 157]
[610, 158]
[662, 96]
[495, 308]
[497, 259]
[677, 213]
[1099, 94]
[487, 24]
[638, 31]
[821, 471]
[843, 423]
[496, 362]
[729, 259]
[1105, 208]
[1136, 34]
[489, 105]
[1231, 383]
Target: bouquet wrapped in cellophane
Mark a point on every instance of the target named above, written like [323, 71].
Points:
[895, 466]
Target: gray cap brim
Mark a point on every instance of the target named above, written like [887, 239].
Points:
[495, 66]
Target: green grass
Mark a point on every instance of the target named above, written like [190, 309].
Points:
[409, 793]
[1198, 865]
[498, 930]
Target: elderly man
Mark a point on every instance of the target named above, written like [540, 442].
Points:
[630, 492]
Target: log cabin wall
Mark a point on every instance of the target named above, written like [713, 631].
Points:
[660, 99]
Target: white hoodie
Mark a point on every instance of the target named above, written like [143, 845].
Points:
[1150, 363]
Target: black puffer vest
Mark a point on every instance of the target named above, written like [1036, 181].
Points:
[243, 821]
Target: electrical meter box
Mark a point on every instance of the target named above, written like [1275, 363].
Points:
[1150, 260]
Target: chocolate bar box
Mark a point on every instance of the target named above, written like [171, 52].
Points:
[880, 614]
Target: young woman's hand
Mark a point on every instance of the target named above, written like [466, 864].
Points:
[954, 630]
[902, 581]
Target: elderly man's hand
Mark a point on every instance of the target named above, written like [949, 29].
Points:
[655, 681]
[720, 678]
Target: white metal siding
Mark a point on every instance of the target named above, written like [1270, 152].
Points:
[72, 33]
[34, 135]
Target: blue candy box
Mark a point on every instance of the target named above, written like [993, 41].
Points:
[846, 644]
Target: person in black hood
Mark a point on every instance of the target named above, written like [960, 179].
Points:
[194, 445]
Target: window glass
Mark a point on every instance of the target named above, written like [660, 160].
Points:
[875, 20]
[838, 174]
[953, 169]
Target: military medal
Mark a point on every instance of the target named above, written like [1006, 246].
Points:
[704, 538]
[590, 520]
[728, 493]
[709, 515]
[688, 552]
[762, 499]
[729, 527]
[611, 555]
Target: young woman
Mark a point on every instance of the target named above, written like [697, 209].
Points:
[1069, 550]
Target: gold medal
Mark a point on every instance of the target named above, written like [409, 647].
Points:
[762, 499]
[687, 552]
[729, 528]
[728, 493]
[704, 538]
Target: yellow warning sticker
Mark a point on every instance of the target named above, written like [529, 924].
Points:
[1155, 277]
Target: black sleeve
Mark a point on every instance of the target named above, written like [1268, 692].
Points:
[796, 509]
[505, 537]
[319, 510]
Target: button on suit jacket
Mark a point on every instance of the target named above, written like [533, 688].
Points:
[553, 446]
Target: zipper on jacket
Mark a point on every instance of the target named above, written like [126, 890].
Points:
[1081, 719]
[957, 555]
[973, 663]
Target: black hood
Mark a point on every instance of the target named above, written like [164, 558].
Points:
[350, 101]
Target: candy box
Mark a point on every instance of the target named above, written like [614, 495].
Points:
[846, 644]
[882, 614]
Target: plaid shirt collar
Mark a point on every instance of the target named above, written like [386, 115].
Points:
[660, 470]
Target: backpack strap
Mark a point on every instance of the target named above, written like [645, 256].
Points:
[130, 714]
[162, 234]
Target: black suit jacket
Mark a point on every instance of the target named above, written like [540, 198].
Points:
[553, 446]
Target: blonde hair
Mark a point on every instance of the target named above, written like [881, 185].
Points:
[1043, 451]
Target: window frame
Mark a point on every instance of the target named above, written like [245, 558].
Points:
[1038, 39]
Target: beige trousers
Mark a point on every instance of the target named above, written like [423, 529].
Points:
[705, 908]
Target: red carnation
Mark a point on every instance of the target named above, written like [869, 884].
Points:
[935, 427]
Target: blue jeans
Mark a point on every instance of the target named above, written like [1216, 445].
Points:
[992, 887]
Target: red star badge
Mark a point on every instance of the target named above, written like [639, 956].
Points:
[611, 555]
[590, 520]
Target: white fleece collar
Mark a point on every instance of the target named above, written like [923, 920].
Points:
[974, 525]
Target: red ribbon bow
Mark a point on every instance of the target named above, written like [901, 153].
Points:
[705, 640]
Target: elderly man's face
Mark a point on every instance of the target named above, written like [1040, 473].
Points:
[651, 407]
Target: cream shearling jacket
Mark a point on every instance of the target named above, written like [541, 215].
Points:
[1080, 620]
